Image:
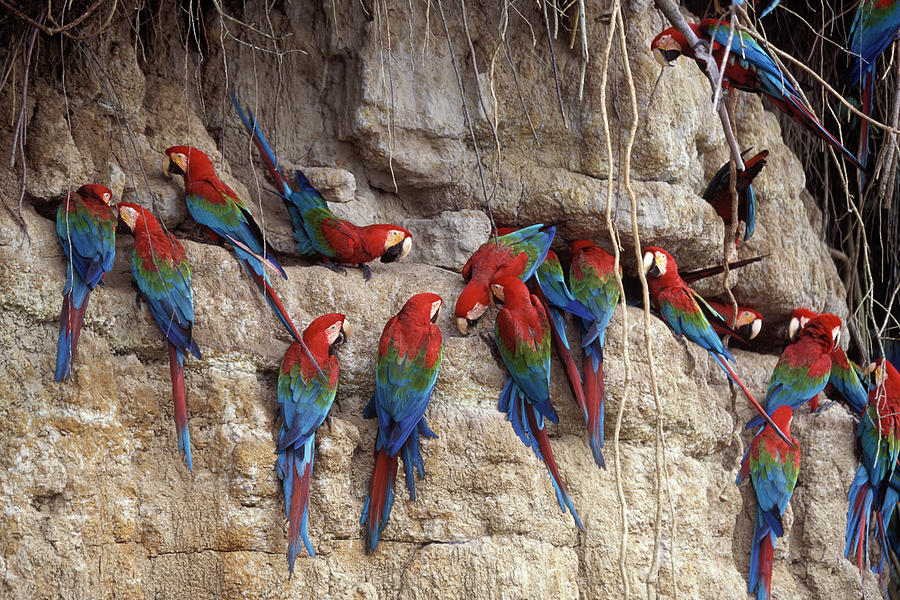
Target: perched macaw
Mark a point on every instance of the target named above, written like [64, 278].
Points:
[305, 397]
[317, 230]
[773, 467]
[549, 285]
[803, 368]
[874, 27]
[845, 381]
[749, 68]
[86, 227]
[518, 253]
[680, 308]
[522, 332]
[876, 487]
[748, 323]
[226, 218]
[162, 273]
[406, 369]
[718, 192]
[593, 278]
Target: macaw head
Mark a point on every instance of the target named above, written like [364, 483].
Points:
[659, 264]
[883, 376]
[826, 328]
[580, 246]
[799, 318]
[782, 418]
[425, 307]
[668, 46]
[130, 214]
[509, 289]
[187, 161]
[331, 329]
[95, 191]
[471, 304]
[748, 322]
[397, 243]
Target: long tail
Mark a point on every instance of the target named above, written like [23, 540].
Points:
[759, 579]
[538, 432]
[558, 331]
[412, 458]
[176, 369]
[294, 468]
[70, 320]
[860, 497]
[377, 509]
[752, 167]
[762, 412]
[262, 145]
[863, 149]
[594, 396]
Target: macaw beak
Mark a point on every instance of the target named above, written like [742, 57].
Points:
[462, 324]
[174, 165]
[397, 251]
[651, 269]
[793, 328]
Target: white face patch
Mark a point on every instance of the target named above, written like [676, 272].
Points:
[334, 331]
[129, 216]
[661, 261]
[478, 309]
[836, 336]
[106, 197]
[435, 308]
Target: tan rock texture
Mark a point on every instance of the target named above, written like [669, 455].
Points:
[95, 501]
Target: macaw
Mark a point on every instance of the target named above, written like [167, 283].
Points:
[317, 230]
[522, 332]
[226, 218]
[749, 68]
[518, 253]
[874, 27]
[875, 490]
[773, 467]
[803, 368]
[86, 227]
[680, 308]
[593, 278]
[406, 369]
[718, 192]
[748, 323]
[549, 285]
[161, 271]
[305, 397]
[845, 380]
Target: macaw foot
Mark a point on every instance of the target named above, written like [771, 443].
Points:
[366, 271]
[332, 266]
[823, 408]
[492, 344]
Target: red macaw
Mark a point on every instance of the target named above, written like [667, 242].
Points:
[749, 68]
[226, 218]
[845, 381]
[522, 332]
[317, 230]
[803, 367]
[773, 467]
[748, 323]
[876, 487]
[162, 273]
[718, 192]
[875, 26]
[593, 277]
[305, 397]
[406, 370]
[680, 308]
[518, 253]
[86, 228]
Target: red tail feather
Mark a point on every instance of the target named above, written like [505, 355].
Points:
[273, 299]
[176, 370]
[593, 383]
[544, 443]
[382, 482]
[299, 501]
[756, 405]
[766, 556]
[273, 169]
[565, 354]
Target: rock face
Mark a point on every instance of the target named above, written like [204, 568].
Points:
[96, 503]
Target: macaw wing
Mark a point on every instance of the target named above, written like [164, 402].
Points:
[339, 236]
[715, 317]
[526, 354]
[681, 311]
[536, 247]
[874, 27]
[404, 380]
[774, 474]
[304, 402]
[795, 379]
[847, 380]
[164, 279]
[553, 285]
[743, 46]
[88, 240]
[601, 295]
